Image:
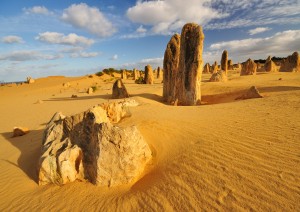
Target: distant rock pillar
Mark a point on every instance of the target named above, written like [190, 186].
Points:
[149, 78]
[124, 74]
[224, 62]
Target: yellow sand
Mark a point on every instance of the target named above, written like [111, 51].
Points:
[229, 155]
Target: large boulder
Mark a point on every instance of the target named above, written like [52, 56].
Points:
[291, 63]
[224, 61]
[190, 65]
[149, 77]
[248, 68]
[270, 66]
[119, 90]
[88, 147]
[218, 76]
[171, 63]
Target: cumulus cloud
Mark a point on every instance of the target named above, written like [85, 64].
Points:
[37, 10]
[141, 29]
[170, 15]
[154, 62]
[280, 44]
[28, 55]
[114, 57]
[59, 38]
[12, 39]
[258, 30]
[84, 54]
[88, 18]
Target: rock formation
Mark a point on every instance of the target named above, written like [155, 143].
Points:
[248, 68]
[218, 76]
[250, 94]
[291, 63]
[87, 147]
[190, 65]
[206, 68]
[149, 77]
[136, 74]
[159, 73]
[270, 66]
[124, 74]
[29, 80]
[20, 131]
[230, 65]
[224, 61]
[171, 63]
[119, 90]
[214, 67]
[90, 90]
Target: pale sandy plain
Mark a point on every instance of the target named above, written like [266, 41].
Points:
[225, 155]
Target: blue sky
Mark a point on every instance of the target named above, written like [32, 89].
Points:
[64, 37]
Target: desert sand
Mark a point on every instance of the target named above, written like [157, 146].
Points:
[223, 155]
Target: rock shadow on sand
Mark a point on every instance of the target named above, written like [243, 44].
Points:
[29, 145]
[104, 96]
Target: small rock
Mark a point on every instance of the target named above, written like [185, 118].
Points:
[30, 80]
[39, 102]
[74, 96]
[20, 131]
[90, 90]
[66, 84]
[219, 76]
[280, 78]
[250, 94]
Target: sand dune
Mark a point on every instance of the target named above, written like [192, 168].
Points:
[223, 155]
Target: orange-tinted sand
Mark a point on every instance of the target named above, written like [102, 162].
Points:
[224, 155]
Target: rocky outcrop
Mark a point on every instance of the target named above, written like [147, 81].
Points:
[159, 73]
[136, 74]
[88, 147]
[29, 80]
[119, 90]
[224, 61]
[190, 65]
[149, 77]
[124, 74]
[218, 76]
[214, 68]
[250, 94]
[270, 66]
[230, 65]
[206, 68]
[90, 90]
[20, 131]
[291, 63]
[248, 68]
[171, 63]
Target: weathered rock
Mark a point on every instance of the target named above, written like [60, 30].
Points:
[190, 65]
[124, 74]
[171, 63]
[230, 65]
[20, 131]
[74, 96]
[30, 80]
[90, 90]
[206, 68]
[218, 76]
[88, 147]
[248, 68]
[159, 73]
[214, 67]
[291, 63]
[250, 94]
[224, 61]
[39, 102]
[136, 74]
[270, 66]
[66, 84]
[149, 77]
[119, 90]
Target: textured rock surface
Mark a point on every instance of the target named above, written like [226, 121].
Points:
[206, 68]
[124, 74]
[250, 94]
[224, 61]
[86, 146]
[20, 131]
[270, 66]
[190, 65]
[159, 73]
[214, 67]
[249, 68]
[30, 80]
[90, 90]
[230, 65]
[149, 77]
[218, 76]
[291, 63]
[136, 74]
[119, 90]
[171, 63]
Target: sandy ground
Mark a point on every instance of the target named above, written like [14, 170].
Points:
[224, 155]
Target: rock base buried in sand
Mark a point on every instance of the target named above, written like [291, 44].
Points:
[250, 94]
[20, 131]
[119, 90]
[88, 147]
[219, 76]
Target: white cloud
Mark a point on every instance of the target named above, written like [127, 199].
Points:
[12, 39]
[258, 30]
[37, 10]
[280, 44]
[154, 62]
[170, 15]
[88, 18]
[84, 54]
[114, 57]
[141, 29]
[59, 38]
[28, 55]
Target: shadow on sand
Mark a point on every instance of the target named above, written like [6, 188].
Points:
[29, 145]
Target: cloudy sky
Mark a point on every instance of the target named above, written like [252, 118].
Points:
[69, 37]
